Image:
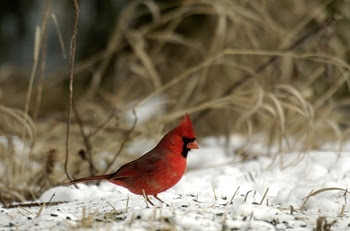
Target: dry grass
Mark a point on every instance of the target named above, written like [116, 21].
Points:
[250, 67]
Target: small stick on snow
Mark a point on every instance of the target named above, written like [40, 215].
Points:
[24, 210]
[36, 204]
[344, 195]
[342, 210]
[233, 196]
[251, 216]
[251, 176]
[215, 197]
[115, 210]
[306, 199]
[53, 195]
[263, 198]
[21, 212]
[40, 210]
[127, 204]
[291, 210]
[246, 195]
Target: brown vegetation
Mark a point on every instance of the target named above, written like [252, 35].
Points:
[278, 68]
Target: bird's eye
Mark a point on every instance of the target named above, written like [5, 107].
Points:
[187, 140]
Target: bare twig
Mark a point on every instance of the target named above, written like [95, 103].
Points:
[40, 210]
[102, 125]
[86, 139]
[48, 203]
[43, 52]
[54, 19]
[35, 65]
[127, 204]
[341, 213]
[314, 193]
[37, 43]
[214, 192]
[72, 59]
[264, 196]
[36, 204]
[246, 195]
[233, 196]
[123, 143]
[115, 210]
[291, 210]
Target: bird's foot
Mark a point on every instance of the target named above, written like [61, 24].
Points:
[155, 196]
[149, 201]
[147, 198]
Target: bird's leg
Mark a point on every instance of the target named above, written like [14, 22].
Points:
[146, 197]
[149, 200]
[155, 196]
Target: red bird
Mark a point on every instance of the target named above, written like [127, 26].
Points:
[157, 170]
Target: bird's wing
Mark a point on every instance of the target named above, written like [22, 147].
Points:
[145, 165]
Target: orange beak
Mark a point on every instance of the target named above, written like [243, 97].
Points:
[192, 145]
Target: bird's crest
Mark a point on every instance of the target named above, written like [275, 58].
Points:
[186, 128]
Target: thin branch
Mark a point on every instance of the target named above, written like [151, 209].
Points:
[60, 39]
[103, 124]
[43, 52]
[36, 204]
[86, 139]
[71, 59]
[37, 48]
[122, 144]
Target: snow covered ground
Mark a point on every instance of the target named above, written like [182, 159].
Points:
[216, 193]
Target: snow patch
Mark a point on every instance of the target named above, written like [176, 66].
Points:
[201, 200]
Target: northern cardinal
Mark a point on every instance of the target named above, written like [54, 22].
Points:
[157, 170]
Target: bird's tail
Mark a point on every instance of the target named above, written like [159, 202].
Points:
[90, 178]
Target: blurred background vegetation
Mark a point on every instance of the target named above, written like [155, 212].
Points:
[275, 72]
